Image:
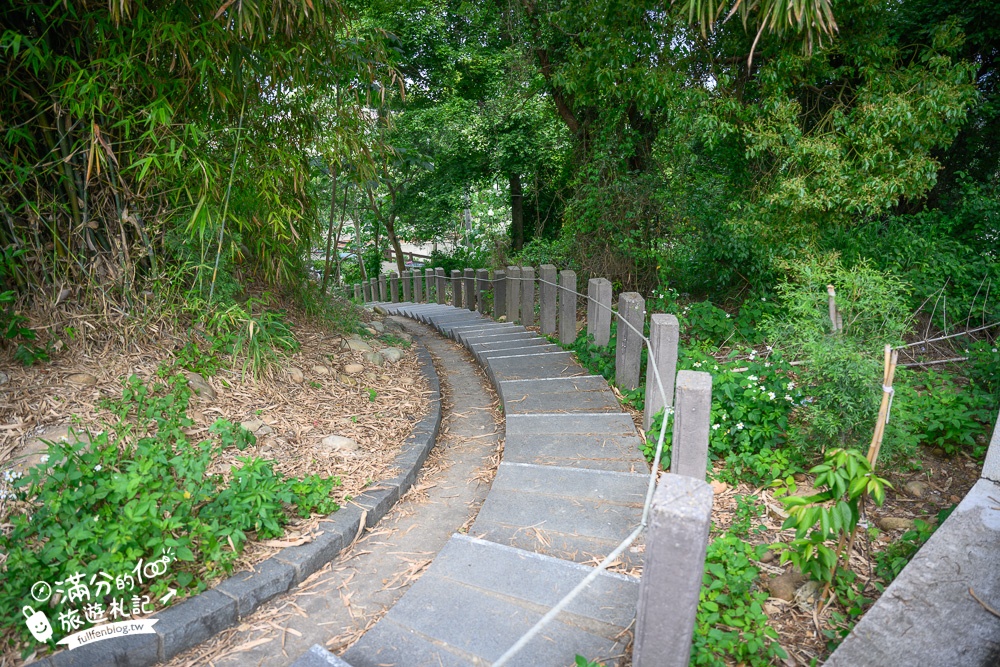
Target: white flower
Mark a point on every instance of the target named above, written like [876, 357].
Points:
[715, 427]
[728, 316]
[752, 378]
[715, 368]
[770, 395]
[763, 299]
[994, 350]
[45, 458]
[697, 364]
[770, 349]
[739, 426]
[767, 364]
[791, 385]
[95, 518]
[97, 468]
[788, 398]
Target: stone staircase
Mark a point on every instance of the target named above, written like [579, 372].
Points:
[570, 488]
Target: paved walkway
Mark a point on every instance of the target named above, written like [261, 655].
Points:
[569, 489]
[336, 605]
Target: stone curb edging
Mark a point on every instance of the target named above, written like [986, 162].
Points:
[196, 619]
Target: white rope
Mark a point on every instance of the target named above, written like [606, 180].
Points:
[888, 408]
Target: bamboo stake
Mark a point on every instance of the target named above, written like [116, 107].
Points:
[888, 375]
[836, 323]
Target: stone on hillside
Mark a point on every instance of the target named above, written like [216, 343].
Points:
[916, 488]
[371, 331]
[320, 369]
[339, 444]
[354, 369]
[377, 326]
[895, 523]
[380, 310]
[392, 354]
[355, 345]
[374, 358]
[393, 325]
[807, 596]
[767, 556]
[200, 387]
[346, 379]
[35, 450]
[82, 379]
[296, 375]
[784, 585]
[719, 488]
[257, 427]
[4, 378]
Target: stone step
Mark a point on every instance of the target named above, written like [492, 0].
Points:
[569, 513]
[513, 333]
[534, 366]
[597, 441]
[588, 393]
[516, 348]
[478, 598]
[463, 331]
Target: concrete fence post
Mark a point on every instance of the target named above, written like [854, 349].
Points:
[456, 288]
[367, 291]
[602, 312]
[357, 292]
[442, 289]
[591, 305]
[664, 332]
[628, 353]
[499, 294]
[528, 296]
[547, 277]
[991, 467]
[567, 307]
[394, 287]
[382, 295]
[431, 279]
[513, 293]
[470, 289]
[692, 414]
[676, 541]
[482, 284]
[407, 285]
[373, 289]
[418, 285]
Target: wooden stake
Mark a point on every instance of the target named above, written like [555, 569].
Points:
[836, 323]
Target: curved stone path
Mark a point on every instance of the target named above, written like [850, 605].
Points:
[569, 489]
[335, 606]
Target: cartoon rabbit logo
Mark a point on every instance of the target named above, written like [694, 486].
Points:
[38, 624]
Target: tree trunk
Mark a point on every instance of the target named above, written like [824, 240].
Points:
[336, 237]
[516, 212]
[390, 228]
[329, 229]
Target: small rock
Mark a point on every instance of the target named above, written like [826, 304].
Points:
[719, 488]
[340, 445]
[800, 477]
[296, 375]
[937, 451]
[807, 595]
[392, 354]
[916, 488]
[767, 556]
[380, 310]
[771, 609]
[405, 336]
[377, 326]
[374, 358]
[346, 379]
[371, 331]
[394, 325]
[954, 499]
[895, 523]
[354, 369]
[82, 379]
[784, 585]
[320, 369]
[257, 426]
[4, 378]
[804, 489]
[355, 345]
[200, 387]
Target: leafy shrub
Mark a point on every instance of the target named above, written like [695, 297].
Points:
[256, 339]
[731, 625]
[843, 371]
[750, 415]
[460, 258]
[891, 561]
[141, 489]
[933, 409]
